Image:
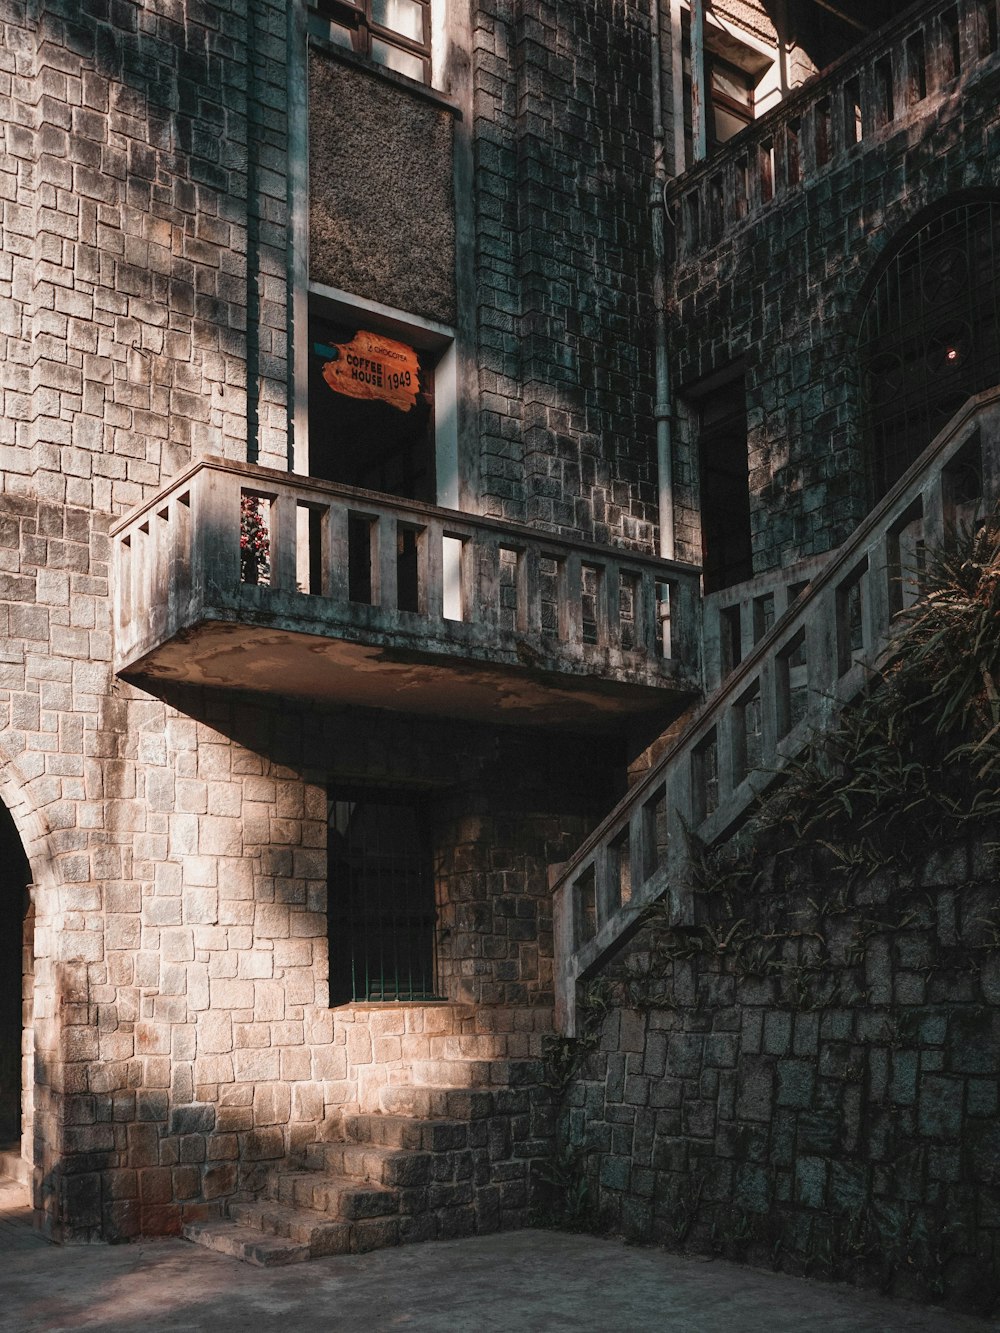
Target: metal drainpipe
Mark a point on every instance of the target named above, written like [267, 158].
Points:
[663, 408]
[699, 93]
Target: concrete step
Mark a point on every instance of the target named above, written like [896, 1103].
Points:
[401, 1131]
[336, 1196]
[245, 1243]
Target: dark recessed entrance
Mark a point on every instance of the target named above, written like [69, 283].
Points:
[725, 487]
[381, 913]
[14, 878]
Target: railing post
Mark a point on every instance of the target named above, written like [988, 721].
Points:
[284, 535]
[388, 579]
[430, 570]
[647, 621]
[570, 601]
[485, 608]
[821, 653]
[989, 437]
[606, 899]
[338, 586]
[640, 847]
[875, 595]
[768, 709]
[609, 610]
[215, 546]
[563, 933]
[728, 749]
[933, 499]
[529, 591]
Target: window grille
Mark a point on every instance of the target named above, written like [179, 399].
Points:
[381, 916]
[929, 336]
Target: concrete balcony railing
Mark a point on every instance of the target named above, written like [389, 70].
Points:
[363, 598]
[790, 685]
[896, 74]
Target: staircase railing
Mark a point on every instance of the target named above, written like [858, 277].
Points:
[792, 683]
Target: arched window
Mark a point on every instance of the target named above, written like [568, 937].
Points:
[929, 335]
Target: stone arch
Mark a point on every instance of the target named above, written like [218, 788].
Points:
[928, 332]
[25, 872]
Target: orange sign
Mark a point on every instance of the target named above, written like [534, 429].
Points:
[370, 366]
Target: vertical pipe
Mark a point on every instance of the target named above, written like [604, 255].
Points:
[662, 408]
[298, 248]
[699, 97]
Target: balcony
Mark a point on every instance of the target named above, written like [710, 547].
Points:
[360, 598]
[904, 70]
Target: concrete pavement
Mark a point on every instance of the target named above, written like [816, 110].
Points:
[517, 1282]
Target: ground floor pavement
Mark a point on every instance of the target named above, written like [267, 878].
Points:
[518, 1282]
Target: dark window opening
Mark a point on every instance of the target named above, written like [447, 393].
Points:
[14, 878]
[929, 336]
[381, 914]
[731, 93]
[725, 488]
[370, 442]
[732, 72]
[393, 33]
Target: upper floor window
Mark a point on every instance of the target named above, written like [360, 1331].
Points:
[394, 33]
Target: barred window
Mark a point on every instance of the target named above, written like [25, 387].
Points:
[930, 335]
[394, 33]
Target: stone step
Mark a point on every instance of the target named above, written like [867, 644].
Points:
[401, 1131]
[13, 1166]
[240, 1242]
[371, 1162]
[301, 1225]
[436, 1103]
[335, 1196]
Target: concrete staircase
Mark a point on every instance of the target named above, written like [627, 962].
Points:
[453, 1149]
[785, 685]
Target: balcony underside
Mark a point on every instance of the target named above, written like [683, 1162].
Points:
[234, 655]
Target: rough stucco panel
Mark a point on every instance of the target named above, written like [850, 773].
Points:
[382, 222]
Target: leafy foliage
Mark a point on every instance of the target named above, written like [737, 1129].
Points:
[255, 545]
[918, 756]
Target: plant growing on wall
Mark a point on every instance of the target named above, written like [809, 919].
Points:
[255, 545]
[919, 753]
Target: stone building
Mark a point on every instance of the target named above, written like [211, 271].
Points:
[412, 408]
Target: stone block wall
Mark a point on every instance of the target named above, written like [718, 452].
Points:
[181, 1025]
[131, 253]
[563, 151]
[810, 1083]
[781, 297]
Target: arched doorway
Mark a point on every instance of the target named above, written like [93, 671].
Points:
[14, 938]
[930, 335]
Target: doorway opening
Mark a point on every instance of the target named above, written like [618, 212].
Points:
[727, 556]
[371, 410]
[381, 910]
[15, 876]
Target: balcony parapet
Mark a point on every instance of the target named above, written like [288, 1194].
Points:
[899, 72]
[462, 614]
